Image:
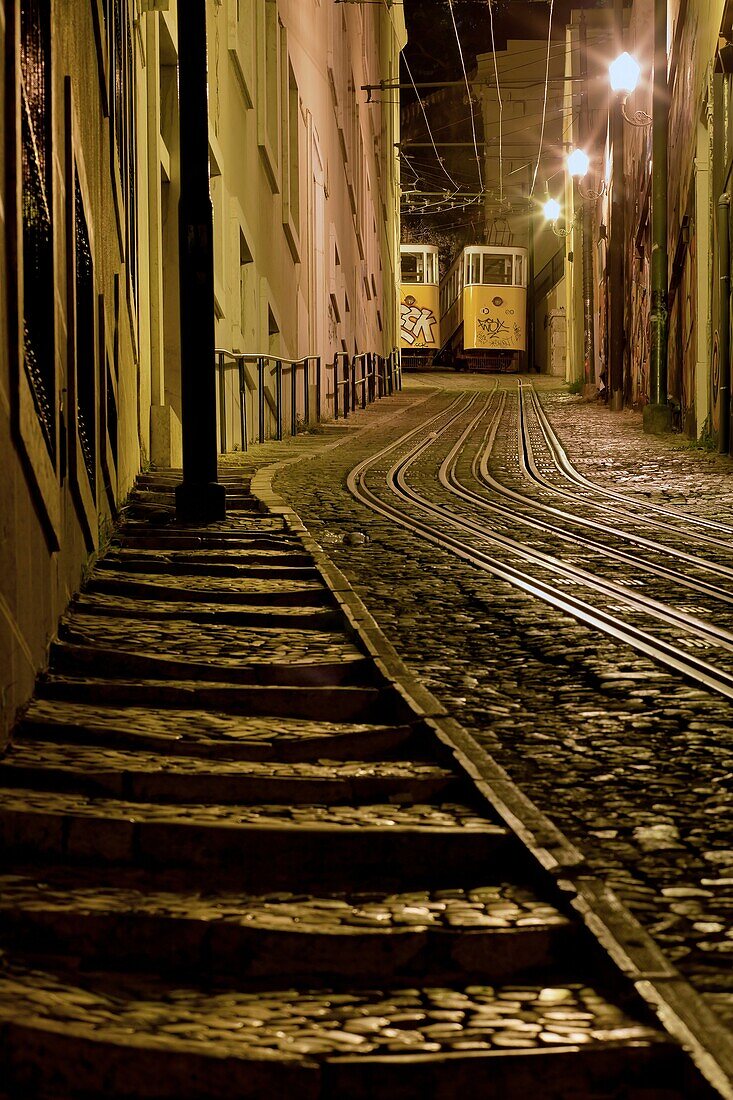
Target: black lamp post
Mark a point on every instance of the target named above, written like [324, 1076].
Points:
[199, 498]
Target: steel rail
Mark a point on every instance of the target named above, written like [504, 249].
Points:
[566, 469]
[527, 465]
[480, 470]
[687, 665]
[664, 612]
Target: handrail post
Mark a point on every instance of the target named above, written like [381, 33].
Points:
[353, 383]
[319, 384]
[222, 406]
[336, 386]
[242, 401]
[279, 399]
[364, 380]
[293, 399]
[398, 361]
[347, 383]
[261, 396]
[307, 391]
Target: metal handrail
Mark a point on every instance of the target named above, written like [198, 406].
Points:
[375, 375]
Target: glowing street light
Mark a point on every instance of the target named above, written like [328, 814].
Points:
[624, 73]
[551, 210]
[578, 163]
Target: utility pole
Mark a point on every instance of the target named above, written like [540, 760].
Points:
[616, 335]
[658, 414]
[589, 352]
[199, 498]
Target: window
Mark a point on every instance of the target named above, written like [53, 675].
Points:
[84, 340]
[497, 270]
[268, 89]
[291, 127]
[123, 122]
[37, 204]
[239, 41]
[519, 270]
[473, 268]
[413, 267]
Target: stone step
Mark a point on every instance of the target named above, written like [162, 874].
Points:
[261, 847]
[241, 590]
[142, 537]
[340, 704]
[208, 734]
[252, 555]
[157, 777]
[209, 641]
[116, 662]
[281, 618]
[161, 563]
[126, 919]
[78, 1035]
[263, 528]
[237, 500]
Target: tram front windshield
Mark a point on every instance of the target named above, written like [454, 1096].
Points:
[497, 270]
[413, 267]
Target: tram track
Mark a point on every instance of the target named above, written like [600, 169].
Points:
[434, 516]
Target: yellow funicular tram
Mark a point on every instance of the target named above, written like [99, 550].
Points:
[419, 306]
[483, 309]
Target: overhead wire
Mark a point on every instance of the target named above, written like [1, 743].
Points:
[468, 93]
[422, 109]
[498, 96]
[544, 105]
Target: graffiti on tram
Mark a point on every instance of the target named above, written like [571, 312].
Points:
[418, 324]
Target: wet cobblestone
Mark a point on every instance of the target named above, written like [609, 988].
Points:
[632, 763]
[324, 1023]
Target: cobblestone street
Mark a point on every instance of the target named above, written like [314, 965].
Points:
[631, 762]
[250, 846]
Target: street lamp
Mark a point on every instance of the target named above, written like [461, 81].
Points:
[577, 163]
[623, 74]
[551, 210]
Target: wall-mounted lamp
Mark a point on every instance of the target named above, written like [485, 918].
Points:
[623, 74]
[551, 209]
[577, 163]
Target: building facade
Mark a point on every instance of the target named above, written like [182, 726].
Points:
[304, 186]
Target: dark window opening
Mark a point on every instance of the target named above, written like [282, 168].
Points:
[37, 203]
[84, 340]
[122, 55]
[111, 414]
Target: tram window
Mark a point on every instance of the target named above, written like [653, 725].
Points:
[413, 267]
[519, 271]
[497, 270]
[431, 268]
[473, 268]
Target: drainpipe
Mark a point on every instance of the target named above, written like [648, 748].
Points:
[658, 414]
[199, 498]
[616, 335]
[588, 207]
[724, 322]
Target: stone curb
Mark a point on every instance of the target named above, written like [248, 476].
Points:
[681, 1010]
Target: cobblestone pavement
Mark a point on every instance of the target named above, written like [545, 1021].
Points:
[634, 764]
[239, 860]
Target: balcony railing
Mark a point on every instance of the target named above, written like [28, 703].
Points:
[260, 394]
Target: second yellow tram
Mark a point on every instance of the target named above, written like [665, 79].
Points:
[483, 309]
